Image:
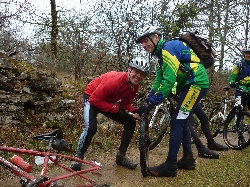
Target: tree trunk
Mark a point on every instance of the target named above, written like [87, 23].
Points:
[54, 29]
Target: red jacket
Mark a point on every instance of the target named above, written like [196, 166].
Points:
[109, 88]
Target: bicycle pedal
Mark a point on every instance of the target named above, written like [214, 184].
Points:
[24, 181]
[53, 184]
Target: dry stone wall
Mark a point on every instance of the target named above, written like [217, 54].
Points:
[30, 96]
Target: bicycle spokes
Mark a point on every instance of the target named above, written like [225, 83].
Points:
[236, 131]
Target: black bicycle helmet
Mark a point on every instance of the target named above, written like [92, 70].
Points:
[140, 64]
[147, 31]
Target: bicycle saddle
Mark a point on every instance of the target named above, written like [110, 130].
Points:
[226, 88]
[57, 134]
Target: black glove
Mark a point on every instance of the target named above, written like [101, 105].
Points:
[176, 97]
[145, 108]
[234, 85]
[135, 111]
[122, 111]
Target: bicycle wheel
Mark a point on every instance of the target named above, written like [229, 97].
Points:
[150, 137]
[158, 128]
[144, 143]
[236, 132]
[215, 121]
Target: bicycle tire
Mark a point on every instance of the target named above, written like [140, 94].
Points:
[144, 145]
[159, 127]
[232, 132]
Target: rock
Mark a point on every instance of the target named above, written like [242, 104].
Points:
[30, 96]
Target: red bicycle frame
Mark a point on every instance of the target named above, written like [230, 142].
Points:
[43, 180]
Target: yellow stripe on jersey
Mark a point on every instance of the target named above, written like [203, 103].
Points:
[171, 61]
[194, 66]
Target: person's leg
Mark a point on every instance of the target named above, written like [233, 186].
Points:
[189, 98]
[245, 102]
[237, 119]
[190, 95]
[187, 161]
[89, 131]
[203, 152]
[129, 124]
[212, 145]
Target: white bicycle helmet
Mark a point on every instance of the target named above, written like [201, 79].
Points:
[140, 64]
[246, 50]
[147, 31]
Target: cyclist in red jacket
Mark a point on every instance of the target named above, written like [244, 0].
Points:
[112, 94]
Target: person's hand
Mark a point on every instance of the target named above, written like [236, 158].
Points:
[234, 85]
[135, 114]
[145, 108]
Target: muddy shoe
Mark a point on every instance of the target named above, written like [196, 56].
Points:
[186, 162]
[217, 147]
[76, 166]
[125, 162]
[166, 169]
[207, 153]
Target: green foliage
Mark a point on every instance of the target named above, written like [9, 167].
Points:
[177, 19]
[53, 124]
[31, 123]
[20, 66]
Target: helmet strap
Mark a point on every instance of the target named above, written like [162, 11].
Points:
[155, 45]
[129, 72]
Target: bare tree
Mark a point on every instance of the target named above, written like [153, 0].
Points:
[9, 25]
[54, 29]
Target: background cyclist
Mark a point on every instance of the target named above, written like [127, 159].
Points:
[241, 77]
[101, 95]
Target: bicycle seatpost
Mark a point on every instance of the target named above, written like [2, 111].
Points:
[226, 89]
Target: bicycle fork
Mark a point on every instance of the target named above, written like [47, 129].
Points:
[154, 114]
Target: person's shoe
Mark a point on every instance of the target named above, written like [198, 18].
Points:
[166, 169]
[217, 147]
[76, 166]
[124, 161]
[186, 162]
[207, 153]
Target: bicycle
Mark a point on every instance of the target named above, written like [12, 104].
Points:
[55, 143]
[152, 131]
[236, 132]
[219, 114]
